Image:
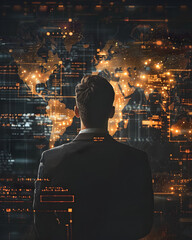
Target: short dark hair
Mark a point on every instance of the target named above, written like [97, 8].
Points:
[94, 98]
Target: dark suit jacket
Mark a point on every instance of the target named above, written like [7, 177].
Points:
[112, 185]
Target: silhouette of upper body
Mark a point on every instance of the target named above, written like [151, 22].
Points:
[111, 183]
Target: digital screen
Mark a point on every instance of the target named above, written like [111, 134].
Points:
[144, 51]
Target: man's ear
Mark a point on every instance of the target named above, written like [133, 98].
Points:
[76, 110]
[112, 112]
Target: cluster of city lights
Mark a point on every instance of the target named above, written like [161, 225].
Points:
[61, 117]
[162, 81]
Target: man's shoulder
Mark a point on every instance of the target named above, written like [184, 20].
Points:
[117, 145]
[54, 155]
[130, 149]
[54, 150]
[51, 157]
[131, 156]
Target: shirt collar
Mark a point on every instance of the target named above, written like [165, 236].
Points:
[93, 130]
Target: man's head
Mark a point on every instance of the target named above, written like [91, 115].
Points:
[94, 101]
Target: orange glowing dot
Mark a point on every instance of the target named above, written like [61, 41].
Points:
[157, 66]
[70, 20]
[159, 43]
[48, 33]
[143, 76]
[70, 33]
